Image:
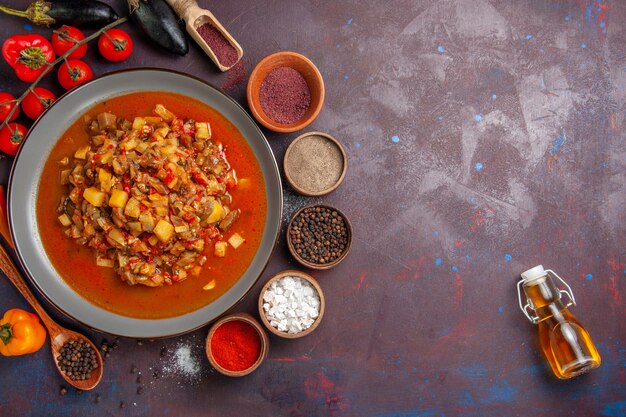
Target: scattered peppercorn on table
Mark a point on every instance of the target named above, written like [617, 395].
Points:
[483, 138]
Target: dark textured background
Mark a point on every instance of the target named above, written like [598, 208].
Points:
[484, 137]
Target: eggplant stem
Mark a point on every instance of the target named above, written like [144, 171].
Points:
[14, 12]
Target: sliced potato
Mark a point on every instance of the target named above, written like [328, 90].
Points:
[163, 230]
[105, 180]
[132, 208]
[117, 236]
[81, 153]
[138, 123]
[167, 115]
[210, 285]
[236, 240]
[203, 131]
[65, 220]
[105, 262]
[220, 249]
[152, 120]
[94, 196]
[118, 198]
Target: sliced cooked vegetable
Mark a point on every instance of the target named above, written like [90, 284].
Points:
[72, 12]
[149, 196]
[158, 21]
[236, 240]
[220, 249]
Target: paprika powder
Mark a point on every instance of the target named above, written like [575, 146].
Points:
[236, 345]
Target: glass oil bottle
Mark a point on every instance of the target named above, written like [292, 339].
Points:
[565, 342]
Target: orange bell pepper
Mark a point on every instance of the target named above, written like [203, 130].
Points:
[21, 332]
[4, 220]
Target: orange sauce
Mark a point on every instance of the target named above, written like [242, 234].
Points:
[76, 264]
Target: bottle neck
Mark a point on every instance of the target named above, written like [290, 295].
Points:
[545, 298]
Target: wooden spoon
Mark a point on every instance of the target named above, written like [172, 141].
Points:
[195, 16]
[58, 334]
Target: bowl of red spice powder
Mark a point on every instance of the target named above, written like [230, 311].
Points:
[237, 345]
[285, 92]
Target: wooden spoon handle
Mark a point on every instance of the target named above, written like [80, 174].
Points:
[183, 7]
[8, 267]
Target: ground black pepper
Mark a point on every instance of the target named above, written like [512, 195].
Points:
[77, 359]
[284, 95]
[319, 235]
[314, 163]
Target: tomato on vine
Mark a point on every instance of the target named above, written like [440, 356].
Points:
[7, 102]
[74, 72]
[35, 104]
[65, 38]
[115, 45]
[11, 137]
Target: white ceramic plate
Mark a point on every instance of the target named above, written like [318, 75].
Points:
[24, 187]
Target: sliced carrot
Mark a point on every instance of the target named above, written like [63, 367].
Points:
[4, 220]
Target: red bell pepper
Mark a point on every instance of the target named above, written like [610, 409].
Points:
[28, 55]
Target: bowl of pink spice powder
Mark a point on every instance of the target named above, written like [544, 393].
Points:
[285, 92]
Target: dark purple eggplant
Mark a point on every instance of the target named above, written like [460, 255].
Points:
[80, 13]
[157, 19]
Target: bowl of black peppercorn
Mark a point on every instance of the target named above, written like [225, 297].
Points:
[319, 236]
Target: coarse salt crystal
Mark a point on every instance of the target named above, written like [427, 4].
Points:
[291, 304]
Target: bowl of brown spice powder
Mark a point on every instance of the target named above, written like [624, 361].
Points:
[315, 164]
[285, 92]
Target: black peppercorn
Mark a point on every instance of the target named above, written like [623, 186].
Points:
[319, 235]
[77, 359]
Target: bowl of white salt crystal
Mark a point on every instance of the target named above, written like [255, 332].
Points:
[291, 304]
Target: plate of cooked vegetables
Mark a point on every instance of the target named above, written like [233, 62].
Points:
[145, 203]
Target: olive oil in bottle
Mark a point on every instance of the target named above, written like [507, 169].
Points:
[565, 342]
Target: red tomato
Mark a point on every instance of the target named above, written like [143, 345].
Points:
[5, 107]
[74, 72]
[115, 45]
[11, 137]
[35, 104]
[66, 37]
